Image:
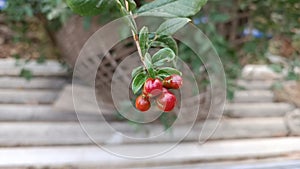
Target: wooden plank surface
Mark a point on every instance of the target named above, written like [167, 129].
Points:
[182, 154]
[20, 112]
[260, 72]
[253, 96]
[271, 164]
[21, 96]
[34, 83]
[244, 110]
[255, 84]
[11, 67]
[71, 133]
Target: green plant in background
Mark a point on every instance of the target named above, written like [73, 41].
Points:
[257, 22]
[207, 20]
[53, 11]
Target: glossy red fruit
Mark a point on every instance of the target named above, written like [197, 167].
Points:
[142, 103]
[152, 87]
[172, 82]
[166, 101]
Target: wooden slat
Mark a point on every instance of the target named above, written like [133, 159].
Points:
[11, 67]
[93, 156]
[10, 96]
[34, 83]
[71, 133]
[253, 96]
[19, 112]
[255, 84]
[244, 110]
[270, 164]
[260, 72]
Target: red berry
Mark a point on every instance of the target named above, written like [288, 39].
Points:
[152, 87]
[142, 103]
[166, 101]
[172, 82]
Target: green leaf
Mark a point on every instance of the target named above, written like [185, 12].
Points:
[87, 7]
[172, 8]
[169, 70]
[26, 73]
[276, 68]
[138, 82]
[162, 74]
[163, 55]
[149, 65]
[143, 38]
[171, 26]
[41, 59]
[132, 5]
[167, 119]
[136, 71]
[167, 42]
[219, 17]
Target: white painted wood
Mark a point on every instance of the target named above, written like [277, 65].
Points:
[84, 96]
[250, 128]
[293, 122]
[34, 83]
[71, 133]
[182, 154]
[11, 67]
[253, 96]
[258, 164]
[244, 110]
[255, 84]
[260, 72]
[27, 96]
[20, 112]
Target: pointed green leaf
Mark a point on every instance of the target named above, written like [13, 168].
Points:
[163, 55]
[87, 7]
[26, 73]
[167, 42]
[132, 5]
[171, 26]
[136, 71]
[172, 8]
[143, 38]
[138, 82]
[128, 19]
[162, 74]
[169, 70]
[149, 65]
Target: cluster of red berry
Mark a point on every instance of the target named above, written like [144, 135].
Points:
[166, 100]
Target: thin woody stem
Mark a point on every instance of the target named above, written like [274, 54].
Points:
[135, 36]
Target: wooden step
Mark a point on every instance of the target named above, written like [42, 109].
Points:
[71, 133]
[254, 164]
[255, 84]
[10, 96]
[34, 83]
[19, 112]
[253, 96]
[12, 67]
[183, 153]
[244, 110]
[260, 72]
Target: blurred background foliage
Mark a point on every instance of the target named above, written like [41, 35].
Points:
[242, 31]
